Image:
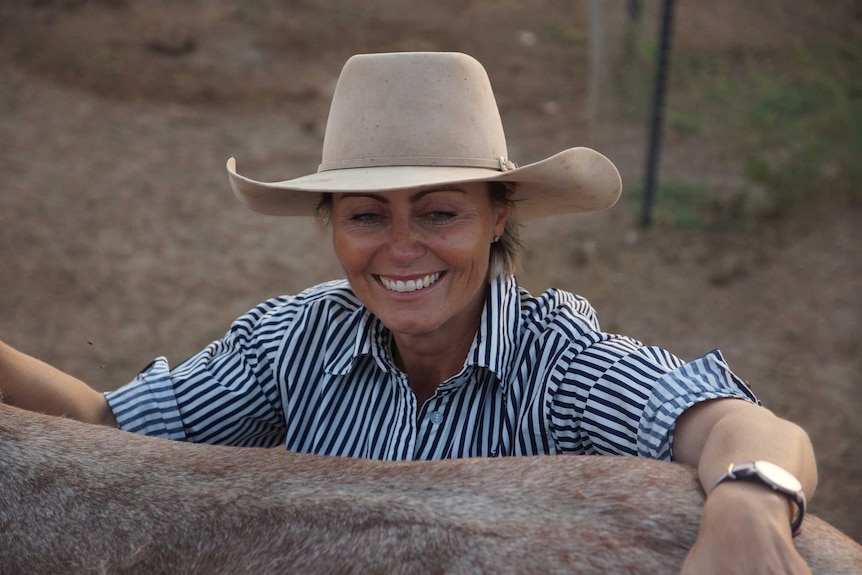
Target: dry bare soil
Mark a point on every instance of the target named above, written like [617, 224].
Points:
[120, 239]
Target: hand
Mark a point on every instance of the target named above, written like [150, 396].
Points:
[745, 528]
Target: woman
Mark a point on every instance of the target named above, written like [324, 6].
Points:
[429, 349]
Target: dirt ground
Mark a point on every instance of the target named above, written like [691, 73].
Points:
[120, 239]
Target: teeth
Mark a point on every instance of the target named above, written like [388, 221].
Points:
[410, 285]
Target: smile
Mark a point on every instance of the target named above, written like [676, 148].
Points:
[409, 285]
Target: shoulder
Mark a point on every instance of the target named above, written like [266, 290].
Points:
[560, 312]
[330, 298]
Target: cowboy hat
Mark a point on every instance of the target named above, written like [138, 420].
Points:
[418, 119]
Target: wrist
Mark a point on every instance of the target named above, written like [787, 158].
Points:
[762, 477]
[750, 511]
[751, 498]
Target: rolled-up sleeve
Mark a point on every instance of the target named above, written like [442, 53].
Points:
[226, 394]
[147, 404]
[707, 377]
[620, 397]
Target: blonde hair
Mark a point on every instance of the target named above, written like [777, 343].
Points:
[506, 252]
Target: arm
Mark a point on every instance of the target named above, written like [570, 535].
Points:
[744, 524]
[31, 384]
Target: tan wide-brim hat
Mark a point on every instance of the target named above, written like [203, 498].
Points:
[419, 119]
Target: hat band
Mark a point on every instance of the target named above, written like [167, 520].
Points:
[500, 164]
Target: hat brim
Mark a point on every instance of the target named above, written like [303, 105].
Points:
[571, 181]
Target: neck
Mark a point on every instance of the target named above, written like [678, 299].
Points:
[429, 364]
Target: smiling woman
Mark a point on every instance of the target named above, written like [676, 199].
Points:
[429, 348]
[419, 261]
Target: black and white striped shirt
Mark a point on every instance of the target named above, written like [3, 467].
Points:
[314, 372]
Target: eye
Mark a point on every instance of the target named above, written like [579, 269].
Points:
[366, 218]
[440, 216]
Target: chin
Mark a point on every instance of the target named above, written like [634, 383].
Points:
[409, 328]
[410, 325]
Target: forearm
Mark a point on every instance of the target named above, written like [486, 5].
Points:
[29, 383]
[739, 438]
[739, 432]
[745, 526]
[716, 434]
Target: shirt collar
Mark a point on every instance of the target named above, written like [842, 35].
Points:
[493, 348]
[495, 344]
[365, 336]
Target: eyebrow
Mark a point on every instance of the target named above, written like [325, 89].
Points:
[381, 196]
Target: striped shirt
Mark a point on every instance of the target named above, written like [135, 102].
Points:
[315, 372]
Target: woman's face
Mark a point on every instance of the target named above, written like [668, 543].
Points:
[418, 259]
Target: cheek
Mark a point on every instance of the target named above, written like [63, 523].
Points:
[347, 252]
[472, 255]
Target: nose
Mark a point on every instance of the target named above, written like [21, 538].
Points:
[405, 243]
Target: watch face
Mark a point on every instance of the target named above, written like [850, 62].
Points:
[778, 476]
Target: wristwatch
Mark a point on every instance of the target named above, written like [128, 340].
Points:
[772, 476]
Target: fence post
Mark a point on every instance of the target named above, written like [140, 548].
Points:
[654, 144]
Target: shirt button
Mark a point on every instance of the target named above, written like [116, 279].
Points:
[436, 417]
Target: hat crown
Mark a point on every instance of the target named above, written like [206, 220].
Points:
[413, 109]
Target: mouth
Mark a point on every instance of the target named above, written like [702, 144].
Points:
[401, 286]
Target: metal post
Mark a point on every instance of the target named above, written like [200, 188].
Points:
[654, 146]
[598, 61]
